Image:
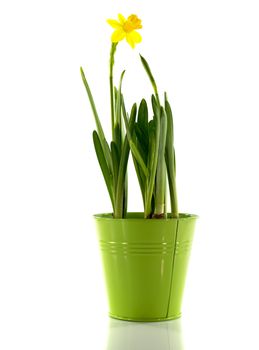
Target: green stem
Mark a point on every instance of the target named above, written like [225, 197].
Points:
[112, 54]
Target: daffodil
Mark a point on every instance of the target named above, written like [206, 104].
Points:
[150, 141]
[126, 28]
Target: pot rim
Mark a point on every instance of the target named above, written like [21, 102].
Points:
[139, 216]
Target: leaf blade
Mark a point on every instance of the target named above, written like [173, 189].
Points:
[170, 160]
[121, 183]
[97, 120]
[103, 165]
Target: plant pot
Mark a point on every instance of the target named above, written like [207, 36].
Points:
[145, 264]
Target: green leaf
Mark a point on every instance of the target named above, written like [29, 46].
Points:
[170, 159]
[155, 105]
[91, 100]
[152, 142]
[115, 93]
[117, 137]
[153, 165]
[141, 179]
[169, 114]
[139, 172]
[141, 129]
[149, 73]
[115, 161]
[160, 192]
[103, 141]
[143, 117]
[121, 183]
[125, 197]
[118, 132]
[118, 101]
[103, 164]
[139, 159]
[133, 147]
[141, 142]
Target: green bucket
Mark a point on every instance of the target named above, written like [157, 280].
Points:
[145, 264]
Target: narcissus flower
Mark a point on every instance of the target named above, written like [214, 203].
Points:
[126, 28]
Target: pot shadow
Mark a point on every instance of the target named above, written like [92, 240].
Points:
[125, 335]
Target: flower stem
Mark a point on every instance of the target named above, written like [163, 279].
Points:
[112, 54]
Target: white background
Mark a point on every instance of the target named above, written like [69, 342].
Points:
[205, 55]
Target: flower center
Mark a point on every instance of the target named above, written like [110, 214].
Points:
[132, 23]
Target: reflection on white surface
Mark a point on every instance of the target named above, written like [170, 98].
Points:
[125, 335]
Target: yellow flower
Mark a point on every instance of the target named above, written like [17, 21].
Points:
[126, 28]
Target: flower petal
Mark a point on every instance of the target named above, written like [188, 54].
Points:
[118, 35]
[136, 37]
[113, 23]
[130, 40]
[121, 18]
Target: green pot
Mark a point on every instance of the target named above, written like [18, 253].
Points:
[145, 264]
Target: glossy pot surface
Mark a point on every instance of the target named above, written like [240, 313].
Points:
[145, 264]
